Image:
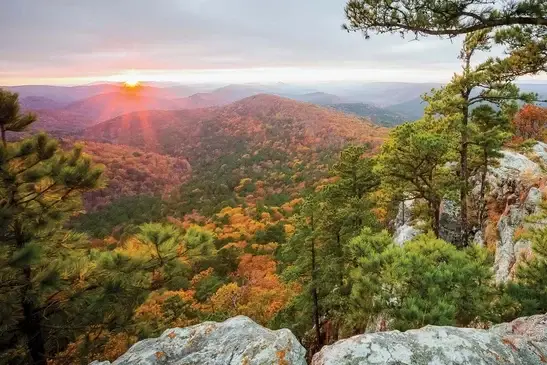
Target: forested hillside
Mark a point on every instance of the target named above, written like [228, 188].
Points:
[296, 215]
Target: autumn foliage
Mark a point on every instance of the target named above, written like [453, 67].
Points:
[132, 171]
[530, 122]
[257, 291]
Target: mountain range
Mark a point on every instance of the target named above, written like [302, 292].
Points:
[66, 109]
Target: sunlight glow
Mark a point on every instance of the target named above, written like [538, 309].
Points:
[283, 74]
[131, 78]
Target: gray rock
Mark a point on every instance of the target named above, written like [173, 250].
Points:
[533, 200]
[508, 249]
[478, 239]
[238, 340]
[404, 229]
[512, 164]
[404, 213]
[405, 233]
[540, 150]
[521, 342]
[450, 225]
[505, 256]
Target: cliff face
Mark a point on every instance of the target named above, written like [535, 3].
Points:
[240, 341]
[514, 193]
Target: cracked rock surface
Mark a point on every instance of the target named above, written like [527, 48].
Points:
[521, 342]
[236, 341]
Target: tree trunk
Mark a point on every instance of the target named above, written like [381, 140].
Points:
[482, 201]
[31, 324]
[436, 215]
[314, 291]
[341, 257]
[464, 230]
[3, 131]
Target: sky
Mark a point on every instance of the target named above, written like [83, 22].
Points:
[194, 41]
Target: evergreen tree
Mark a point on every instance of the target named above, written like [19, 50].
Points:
[325, 225]
[302, 264]
[11, 118]
[427, 281]
[489, 130]
[520, 26]
[441, 18]
[40, 187]
[414, 160]
[486, 86]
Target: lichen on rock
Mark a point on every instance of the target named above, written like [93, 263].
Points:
[521, 342]
[236, 341]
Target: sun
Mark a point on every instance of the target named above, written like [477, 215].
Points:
[131, 79]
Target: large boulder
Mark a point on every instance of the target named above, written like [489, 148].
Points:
[237, 341]
[521, 342]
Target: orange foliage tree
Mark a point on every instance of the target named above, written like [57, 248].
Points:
[257, 291]
[530, 122]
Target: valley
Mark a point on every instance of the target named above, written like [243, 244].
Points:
[251, 183]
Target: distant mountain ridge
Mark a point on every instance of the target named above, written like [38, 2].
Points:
[69, 108]
[256, 119]
[381, 116]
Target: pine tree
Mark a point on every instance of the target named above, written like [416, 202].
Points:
[441, 18]
[168, 253]
[414, 160]
[487, 86]
[426, 281]
[489, 130]
[528, 290]
[302, 264]
[520, 26]
[40, 188]
[11, 118]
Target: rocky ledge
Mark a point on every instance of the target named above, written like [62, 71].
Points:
[237, 341]
[523, 341]
[240, 341]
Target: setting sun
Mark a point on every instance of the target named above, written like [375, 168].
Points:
[131, 79]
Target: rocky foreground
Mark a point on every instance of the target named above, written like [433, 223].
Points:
[240, 341]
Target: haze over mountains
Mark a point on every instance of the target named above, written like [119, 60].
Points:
[76, 107]
[69, 109]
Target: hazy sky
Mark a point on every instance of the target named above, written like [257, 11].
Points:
[204, 40]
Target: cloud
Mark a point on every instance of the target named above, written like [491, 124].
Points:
[67, 38]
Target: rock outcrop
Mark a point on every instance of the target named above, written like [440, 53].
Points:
[240, 341]
[514, 188]
[405, 230]
[514, 185]
[237, 341]
[521, 342]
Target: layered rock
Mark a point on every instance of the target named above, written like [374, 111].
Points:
[237, 341]
[521, 342]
